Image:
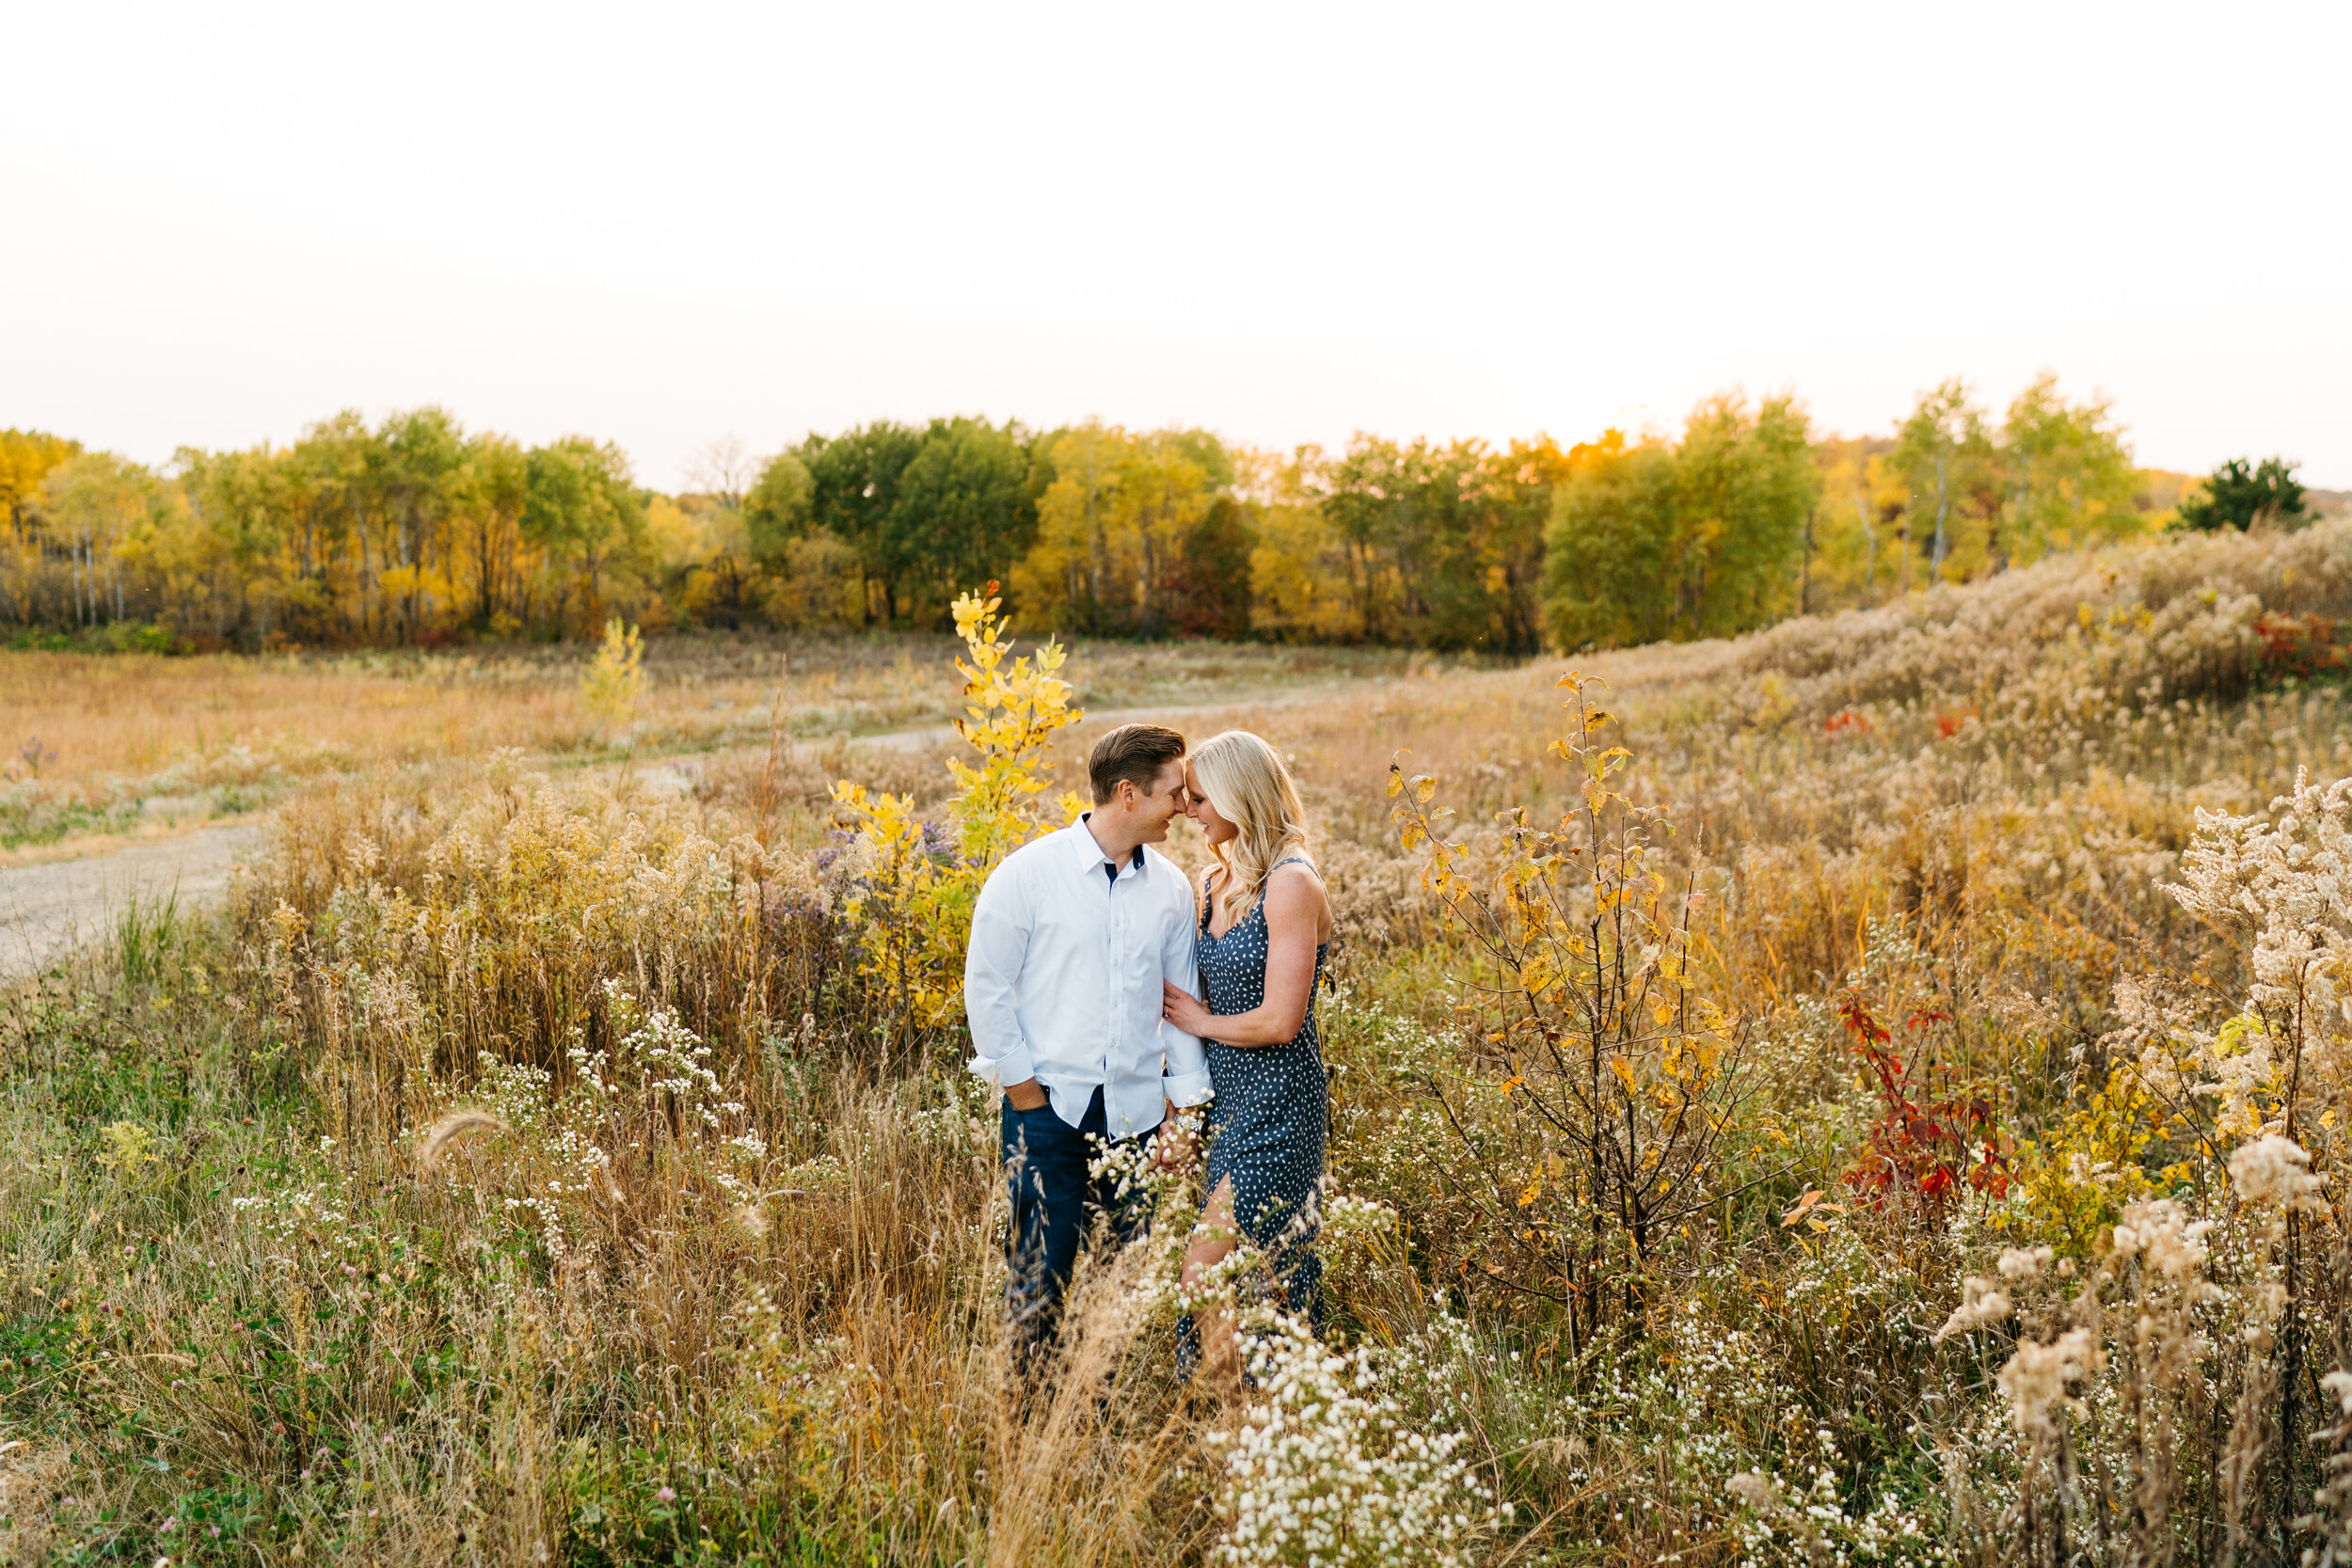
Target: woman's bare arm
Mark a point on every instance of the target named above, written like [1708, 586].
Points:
[1297, 919]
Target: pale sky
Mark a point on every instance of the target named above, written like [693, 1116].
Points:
[660, 223]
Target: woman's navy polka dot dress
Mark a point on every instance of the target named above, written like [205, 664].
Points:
[1268, 1119]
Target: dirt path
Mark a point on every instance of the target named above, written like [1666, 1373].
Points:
[48, 910]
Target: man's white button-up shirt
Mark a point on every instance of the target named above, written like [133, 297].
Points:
[1061, 980]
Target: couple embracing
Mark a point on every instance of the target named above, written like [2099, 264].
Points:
[1105, 996]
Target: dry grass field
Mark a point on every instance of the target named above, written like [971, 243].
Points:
[100, 746]
[1893, 1114]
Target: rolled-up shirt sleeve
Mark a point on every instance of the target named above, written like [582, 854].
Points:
[992, 979]
[1187, 1065]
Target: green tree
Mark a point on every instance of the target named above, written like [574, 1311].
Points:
[1408, 513]
[1369, 498]
[2066, 475]
[583, 509]
[1444, 543]
[1944, 458]
[1609, 550]
[1214, 600]
[1745, 483]
[1701, 539]
[961, 512]
[413, 489]
[1446, 538]
[328, 588]
[853, 493]
[1519, 484]
[223, 562]
[97, 505]
[489, 492]
[2238, 494]
[776, 510]
[808, 574]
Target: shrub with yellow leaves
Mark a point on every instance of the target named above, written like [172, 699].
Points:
[911, 900]
[2074, 1184]
[616, 678]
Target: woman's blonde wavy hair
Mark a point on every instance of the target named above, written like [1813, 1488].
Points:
[1246, 781]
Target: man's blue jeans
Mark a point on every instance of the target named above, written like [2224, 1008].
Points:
[1055, 1202]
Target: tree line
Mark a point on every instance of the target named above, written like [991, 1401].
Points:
[414, 531]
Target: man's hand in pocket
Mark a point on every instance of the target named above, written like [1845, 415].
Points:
[1027, 1095]
[1178, 1143]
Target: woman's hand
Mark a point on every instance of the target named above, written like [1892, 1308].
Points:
[1185, 1010]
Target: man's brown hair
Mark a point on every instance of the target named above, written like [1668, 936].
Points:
[1135, 753]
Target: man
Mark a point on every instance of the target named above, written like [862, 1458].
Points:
[1072, 938]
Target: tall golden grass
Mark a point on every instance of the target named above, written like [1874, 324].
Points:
[521, 1172]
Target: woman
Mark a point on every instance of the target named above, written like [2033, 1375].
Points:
[1266, 926]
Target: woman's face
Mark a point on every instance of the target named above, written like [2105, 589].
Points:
[1213, 827]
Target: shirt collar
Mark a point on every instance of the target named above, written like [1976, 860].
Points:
[1087, 856]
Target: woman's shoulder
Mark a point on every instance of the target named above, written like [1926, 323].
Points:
[1294, 879]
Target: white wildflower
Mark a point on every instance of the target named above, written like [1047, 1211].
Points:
[1327, 1467]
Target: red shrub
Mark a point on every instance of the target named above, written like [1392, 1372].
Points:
[1920, 1146]
[2300, 645]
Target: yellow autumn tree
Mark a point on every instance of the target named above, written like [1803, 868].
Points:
[1113, 529]
[1298, 578]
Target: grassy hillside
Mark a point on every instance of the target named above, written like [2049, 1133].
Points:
[1834, 1139]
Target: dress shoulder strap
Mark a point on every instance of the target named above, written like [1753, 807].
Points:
[1294, 860]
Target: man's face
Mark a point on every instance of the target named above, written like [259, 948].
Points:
[1151, 812]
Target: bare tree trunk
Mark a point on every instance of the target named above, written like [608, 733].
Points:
[1805, 579]
[1869, 544]
[1943, 510]
[361, 533]
[2017, 492]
